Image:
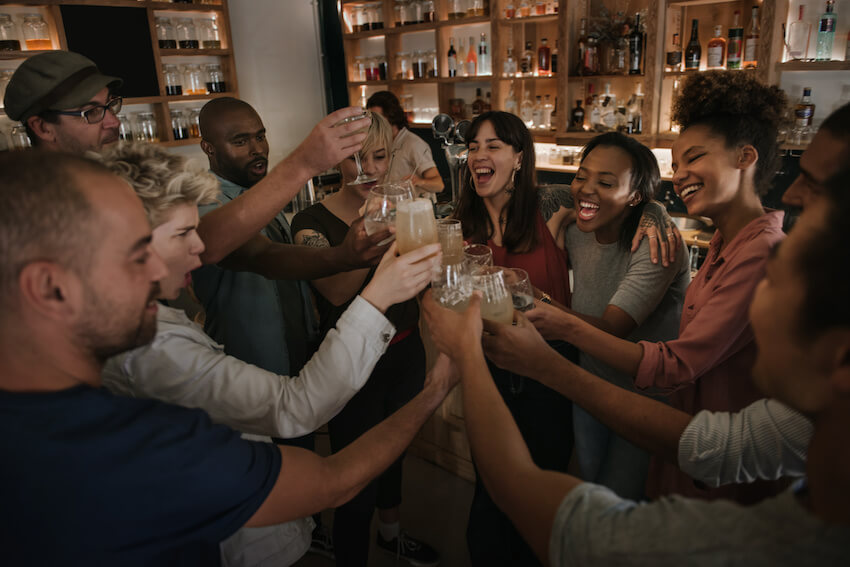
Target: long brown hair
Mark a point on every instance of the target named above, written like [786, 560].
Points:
[521, 209]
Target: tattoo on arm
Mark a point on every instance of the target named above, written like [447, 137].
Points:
[552, 198]
[654, 215]
[316, 240]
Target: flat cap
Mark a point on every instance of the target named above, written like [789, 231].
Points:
[57, 80]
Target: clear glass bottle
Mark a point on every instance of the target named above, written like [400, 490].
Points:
[372, 72]
[404, 65]
[804, 113]
[716, 50]
[193, 80]
[735, 47]
[526, 110]
[36, 33]
[359, 68]
[428, 13]
[548, 109]
[537, 113]
[509, 66]
[360, 18]
[210, 37]
[474, 8]
[457, 9]
[8, 34]
[526, 62]
[215, 78]
[751, 42]
[420, 64]
[194, 120]
[484, 67]
[179, 125]
[432, 63]
[826, 33]
[165, 34]
[173, 80]
[19, 137]
[635, 40]
[5, 77]
[799, 33]
[187, 34]
[510, 102]
[125, 129]
[146, 127]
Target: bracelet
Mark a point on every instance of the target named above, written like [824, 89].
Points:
[546, 298]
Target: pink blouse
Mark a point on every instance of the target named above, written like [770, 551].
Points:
[709, 366]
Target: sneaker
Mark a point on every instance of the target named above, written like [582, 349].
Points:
[411, 550]
[322, 543]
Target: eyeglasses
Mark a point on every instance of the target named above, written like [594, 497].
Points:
[95, 114]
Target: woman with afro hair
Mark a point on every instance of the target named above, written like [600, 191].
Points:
[723, 161]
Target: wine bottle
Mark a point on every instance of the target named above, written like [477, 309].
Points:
[693, 52]
[636, 48]
[735, 46]
[751, 43]
[471, 59]
[452, 56]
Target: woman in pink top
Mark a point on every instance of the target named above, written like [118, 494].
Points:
[723, 161]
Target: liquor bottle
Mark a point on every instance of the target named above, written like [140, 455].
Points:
[554, 64]
[588, 102]
[596, 114]
[483, 56]
[452, 56]
[510, 102]
[544, 59]
[635, 112]
[509, 67]
[471, 59]
[581, 48]
[693, 52]
[488, 106]
[526, 110]
[751, 43]
[674, 55]
[804, 112]
[526, 62]
[826, 33]
[636, 48]
[609, 108]
[461, 67]
[537, 113]
[716, 48]
[548, 110]
[799, 33]
[577, 117]
[735, 48]
[477, 104]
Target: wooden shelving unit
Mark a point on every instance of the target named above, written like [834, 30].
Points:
[160, 103]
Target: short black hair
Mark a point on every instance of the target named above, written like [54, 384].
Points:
[212, 111]
[739, 108]
[390, 108]
[646, 177]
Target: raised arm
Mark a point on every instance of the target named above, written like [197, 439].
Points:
[528, 495]
[339, 287]
[228, 227]
[308, 483]
[429, 180]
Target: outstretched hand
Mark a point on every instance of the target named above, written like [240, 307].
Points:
[663, 234]
[329, 144]
[516, 348]
[453, 333]
[399, 278]
[359, 250]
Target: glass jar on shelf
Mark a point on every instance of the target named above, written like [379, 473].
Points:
[403, 15]
[382, 67]
[359, 68]
[361, 18]
[215, 78]
[406, 101]
[194, 120]
[165, 34]
[474, 8]
[209, 33]
[428, 13]
[457, 9]
[432, 64]
[5, 77]
[193, 80]
[173, 80]
[36, 34]
[372, 73]
[420, 64]
[19, 138]
[187, 34]
[415, 12]
[8, 34]
[375, 15]
[146, 127]
[125, 128]
[404, 65]
[179, 125]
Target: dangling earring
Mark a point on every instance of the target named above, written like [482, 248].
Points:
[511, 187]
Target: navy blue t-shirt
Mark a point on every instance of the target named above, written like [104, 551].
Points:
[90, 478]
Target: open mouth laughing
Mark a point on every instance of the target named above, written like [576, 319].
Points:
[587, 210]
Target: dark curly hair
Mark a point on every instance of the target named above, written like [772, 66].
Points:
[390, 108]
[736, 106]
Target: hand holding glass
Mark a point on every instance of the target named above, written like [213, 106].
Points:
[451, 240]
[381, 206]
[361, 175]
[415, 225]
[519, 285]
[496, 302]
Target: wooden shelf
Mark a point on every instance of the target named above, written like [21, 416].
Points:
[368, 34]
[683, 73]
[182, 98]
[171, 7]
[478, 79]
[426, 26]
[549, 18]
[814, 66]
[463, 22]
[576, 78]
[581, 138]
[192, 52]
[7, 55]
[531, 78]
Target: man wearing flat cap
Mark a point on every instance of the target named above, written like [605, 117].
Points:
[65, 102]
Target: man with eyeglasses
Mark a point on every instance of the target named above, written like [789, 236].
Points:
[64, 102]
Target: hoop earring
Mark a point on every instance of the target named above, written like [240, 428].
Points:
[511, 187]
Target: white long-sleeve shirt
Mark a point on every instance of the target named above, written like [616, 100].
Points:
[186, 367]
